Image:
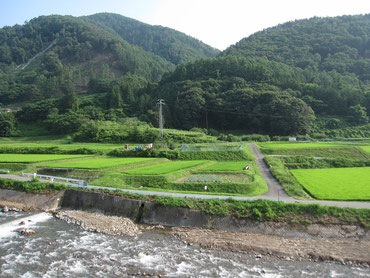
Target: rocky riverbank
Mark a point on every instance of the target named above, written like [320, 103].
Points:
[96, 222]
[350, 252]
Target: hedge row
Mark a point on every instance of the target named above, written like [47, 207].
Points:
[302, 162]
[50, 150]
[184, 155]
[29, 186]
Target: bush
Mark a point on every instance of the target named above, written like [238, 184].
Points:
[184, 155]
[30, 186]
[256, 137]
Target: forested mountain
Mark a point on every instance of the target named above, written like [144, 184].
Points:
[255, 95]
[170, 44]
[274, 82]
[324, 44]
[37, 58]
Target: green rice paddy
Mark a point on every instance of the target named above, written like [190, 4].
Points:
[33, 158]
[100, 163]
[165, 168]
[336, 183]
[225, 166]
[287, 145]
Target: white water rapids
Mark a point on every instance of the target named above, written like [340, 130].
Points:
[58, 249]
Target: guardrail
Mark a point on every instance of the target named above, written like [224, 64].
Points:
[54, 178]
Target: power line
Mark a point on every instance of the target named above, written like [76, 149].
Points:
[160, 102]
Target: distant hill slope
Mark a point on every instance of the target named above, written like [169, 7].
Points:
[36, 58]
[170, 44]
[330, 43]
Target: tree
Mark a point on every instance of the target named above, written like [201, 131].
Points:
[357, 114]
[114, 98]
[7, 124]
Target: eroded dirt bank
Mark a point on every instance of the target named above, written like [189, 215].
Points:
[17, 200]
[342, 251]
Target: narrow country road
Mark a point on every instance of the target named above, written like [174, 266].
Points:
[275, 190]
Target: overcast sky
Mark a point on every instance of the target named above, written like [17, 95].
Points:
[218, 23]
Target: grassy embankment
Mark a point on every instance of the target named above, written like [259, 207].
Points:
[261, 210]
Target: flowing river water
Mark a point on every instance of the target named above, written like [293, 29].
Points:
[58, 249]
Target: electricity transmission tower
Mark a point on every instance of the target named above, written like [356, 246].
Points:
[160, 102]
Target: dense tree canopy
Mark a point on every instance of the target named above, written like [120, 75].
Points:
[325, 44]
[170, 44]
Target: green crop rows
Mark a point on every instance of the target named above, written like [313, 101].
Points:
[225, 166]
[165, 168]
[33, 158]
[100, 163]
[336, 183]
[299, 145]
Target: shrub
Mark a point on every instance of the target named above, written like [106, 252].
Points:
[29, 186]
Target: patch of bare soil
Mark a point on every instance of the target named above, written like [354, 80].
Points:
[96, 222]
[14, 206]
[351, 252]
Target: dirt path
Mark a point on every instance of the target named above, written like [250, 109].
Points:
[276, 191]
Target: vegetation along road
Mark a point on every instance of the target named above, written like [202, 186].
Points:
[275, 190]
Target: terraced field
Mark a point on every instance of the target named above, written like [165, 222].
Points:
[287, 145]
[165, 168]
[100, 163]
[225, 166]
[336, 183]
[33, 158]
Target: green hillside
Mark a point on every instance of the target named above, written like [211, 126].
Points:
[99, 78]
[170, 44]
[331, 43]
[38, 57]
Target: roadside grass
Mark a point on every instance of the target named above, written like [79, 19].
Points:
[336, 183]
[165, 168]
[33, 158]
[366, 148]
[100, 163]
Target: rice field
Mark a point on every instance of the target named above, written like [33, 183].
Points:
[287, 145]
[33, 158]
[336, 183]
[366, 148]
[100, 163]
[74, 146]
[165, 168]
[218, 178]
[225, 166]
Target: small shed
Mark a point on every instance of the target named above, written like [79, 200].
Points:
[292, 139]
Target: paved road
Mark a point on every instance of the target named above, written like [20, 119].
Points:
[275, 190]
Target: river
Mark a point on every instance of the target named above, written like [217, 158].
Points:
[58, 249]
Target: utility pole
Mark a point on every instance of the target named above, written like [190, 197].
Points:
[160, 102]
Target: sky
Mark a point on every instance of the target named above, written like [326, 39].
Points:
[219, 23]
